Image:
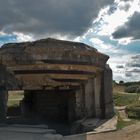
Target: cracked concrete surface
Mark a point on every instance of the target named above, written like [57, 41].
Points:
[127, 133]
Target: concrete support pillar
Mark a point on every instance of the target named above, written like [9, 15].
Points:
[80, 103]
[107, 93]
[3, 94]
[97, 94]
[71, 107]
[3, 105]
[89, 99]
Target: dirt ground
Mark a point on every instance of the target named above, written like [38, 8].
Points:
[128, 133]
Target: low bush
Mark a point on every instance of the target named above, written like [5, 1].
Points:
[132, 89]
[133, 110]
[138, 90]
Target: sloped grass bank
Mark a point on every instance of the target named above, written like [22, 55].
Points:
[124, 99]
[133, 110]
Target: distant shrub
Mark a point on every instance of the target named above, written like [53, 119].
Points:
[133, 111]
[138, 90]
[132, 89]
[132, 83]
[121, 82]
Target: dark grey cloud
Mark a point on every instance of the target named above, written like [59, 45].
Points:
[132, 73]
[130, 69]
[126, 5]
[120, 66]
[135, 62]
[136, 57]
[130, 29]
[136, 71]
[68, 17]
[133, 67]
[128, 74]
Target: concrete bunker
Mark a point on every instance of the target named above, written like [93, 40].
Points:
[62, 81]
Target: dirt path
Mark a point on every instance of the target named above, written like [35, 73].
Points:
[128, 133]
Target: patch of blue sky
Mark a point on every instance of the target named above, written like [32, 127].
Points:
[7, 39]
[133, 47]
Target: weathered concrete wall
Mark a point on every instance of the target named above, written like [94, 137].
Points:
[80, 103]
[97, 94]
[3, 94]
[51, 49]
[90, 98]
[3, 105]
[56, 64]
[107, 93]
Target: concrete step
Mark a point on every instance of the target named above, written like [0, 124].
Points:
[27, 130]
[53, 137]
[107, 125]
[30, 126]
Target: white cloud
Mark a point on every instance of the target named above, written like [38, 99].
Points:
[103, 46]
[111, 22]
[125, 41]
[108, 21]
[2, 33]
[99, 44]
[59, 36]
[96, 41]
[114, 16]
[23, 37]
[128, 72]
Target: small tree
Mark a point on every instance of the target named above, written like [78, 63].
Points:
[121, 82]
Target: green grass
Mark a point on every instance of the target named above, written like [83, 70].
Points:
[121, 123]
[118, 88]
[14, 98]
[13, 103]
[15, 95]
[133, 110]
[125, 99]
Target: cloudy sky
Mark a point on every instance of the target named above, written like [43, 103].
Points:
[111, 26]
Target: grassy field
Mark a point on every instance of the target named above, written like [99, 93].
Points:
[118, 88]
[121, 98]
[121, 123]
[124, 99]
[14, 98]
